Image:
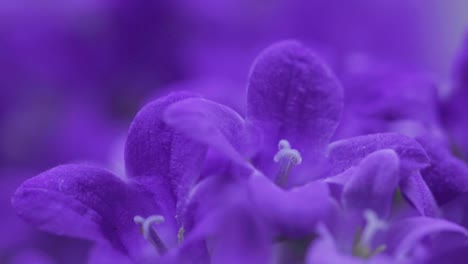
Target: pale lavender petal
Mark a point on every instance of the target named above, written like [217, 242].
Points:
[213, 124]
[294, 212]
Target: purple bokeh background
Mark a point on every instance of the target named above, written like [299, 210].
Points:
[74, 73]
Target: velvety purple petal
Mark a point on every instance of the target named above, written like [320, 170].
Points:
[240, 237]
[415, 189]
[346, 153]
[323, 253]
[87, 202]
[70, 200]
[324, 250]
[292, 95]
[233, 231]
[406, 234]
[294, 212]
[373, 184]
[213, 124]
[447, 176]
[156, 155]
[102, 253]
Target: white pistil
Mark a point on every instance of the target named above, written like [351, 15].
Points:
[363, 248]
[148, 232]
[287, 157]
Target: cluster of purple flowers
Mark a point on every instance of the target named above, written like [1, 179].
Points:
[307, 173]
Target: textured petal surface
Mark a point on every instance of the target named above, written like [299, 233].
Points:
[373, 184]
[235, 232]
[161, 158]
[406, 234]
[213, 124]
[349, 152]
[415, 189]
[294, 212]
[292, 95]
[84, 202]
[447, 176]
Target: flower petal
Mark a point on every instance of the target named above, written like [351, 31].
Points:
[69, 200]
[415, 189]
[228, 223]
[85, 202]
[213, 124]
[346, 153]
[292, 213]
[156, 155]
[292, 95]
[374, 182]
[447, 176]
[407, 233]
[324, 250]
[238, 235]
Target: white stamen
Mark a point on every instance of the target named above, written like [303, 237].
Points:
[147, 223]
[373, 225]
[149, 233]
[287, 157]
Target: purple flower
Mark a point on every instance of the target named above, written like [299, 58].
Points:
[139, 218]
[372, 225]
[91, 203]
[20, 243]
[205, 184]
[294, 100]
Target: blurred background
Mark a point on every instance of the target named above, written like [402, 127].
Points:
[74, 73]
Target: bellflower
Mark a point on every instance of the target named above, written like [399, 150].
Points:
[121, 215]
[373, 225]
[280, 93]
[91, 203]
[295, 101]
[207, 185]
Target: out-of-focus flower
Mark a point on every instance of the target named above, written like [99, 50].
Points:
[455, 111]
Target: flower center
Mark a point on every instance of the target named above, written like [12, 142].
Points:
[287, 158]
[363, 244]
[149, 233]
